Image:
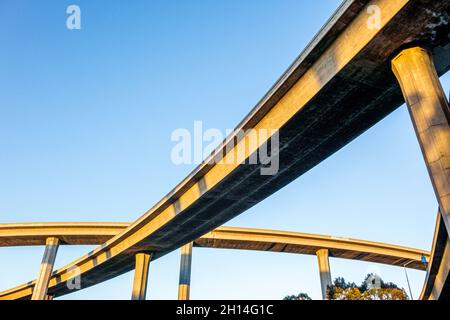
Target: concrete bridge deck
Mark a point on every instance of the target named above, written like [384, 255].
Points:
[436, 284]
[339, 87]
[30, 234]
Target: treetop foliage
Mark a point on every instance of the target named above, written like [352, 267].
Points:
[372, 288]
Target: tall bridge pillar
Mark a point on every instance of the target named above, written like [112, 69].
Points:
[46, 269]
[185, 272]
[430, 114]
[140, 276]
[324, 270]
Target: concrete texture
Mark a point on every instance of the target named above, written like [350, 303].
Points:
[48, 260]
[185, 272]
[437, 286]
[139, 290]
[430, 114]
[225, 238]
[339, 87]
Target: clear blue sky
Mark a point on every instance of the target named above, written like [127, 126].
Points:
[85, 123]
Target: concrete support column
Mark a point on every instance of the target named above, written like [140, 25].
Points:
[46, 269]
[185, 272]
[430, 114]
[324, 270]
[140, 276]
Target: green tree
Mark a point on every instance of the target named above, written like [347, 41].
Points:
[372, 288]
[300, 296]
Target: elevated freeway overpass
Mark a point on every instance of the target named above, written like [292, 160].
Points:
[437, 285]
[351, 75]
[78, 233]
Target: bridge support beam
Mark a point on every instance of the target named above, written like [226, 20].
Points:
[430, 114]
[185, 272]
[46, 269]
[140, 276]
[324, 270]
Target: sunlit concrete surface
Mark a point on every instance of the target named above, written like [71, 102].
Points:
[430, 113]
[46, 269]
[324, 271]
[140, 276]
[70, 233]
[340, 86]
[185, 272]
[437, 285]
[26, 234]
[221, 238]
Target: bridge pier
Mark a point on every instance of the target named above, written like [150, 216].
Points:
[324, 270]
[430, 114]
[46, 269]
[184, 287]
[140, 276]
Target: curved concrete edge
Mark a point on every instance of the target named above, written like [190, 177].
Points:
[437, 283]
[202, 201]
[222, 238]
[304, 243]
[190, 205]
[69, 233]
